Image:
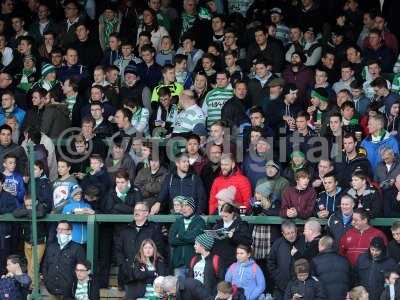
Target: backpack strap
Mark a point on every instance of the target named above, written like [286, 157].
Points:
[215, 263]
[193, 262]
[254, 270]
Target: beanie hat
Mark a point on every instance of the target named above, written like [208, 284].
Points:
[131, 69]
[289, 89]
[47, 69]
[207, 241]
[189, 201]
[298, 154]
[75, 190]
[320, 93]
[30, 57]
[227, 194]
[378, 243]
[271, 163]
[264, 189]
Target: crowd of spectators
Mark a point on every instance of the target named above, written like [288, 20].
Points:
[202, 107]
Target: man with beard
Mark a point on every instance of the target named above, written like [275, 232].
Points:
[284, 252]
[230, 176]
[183, 182]
[350, 159]
[212, 168]
[298, 74]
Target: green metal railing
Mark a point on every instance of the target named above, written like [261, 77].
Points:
[94, 220]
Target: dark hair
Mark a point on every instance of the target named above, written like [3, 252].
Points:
[337, 115]
[86, 263]
[379, 82]
[167, 67]
[89, 119]
[346, 65]
[256, 109]
[331, 174]
[97, 157]
[64, 161]
[229, 208]
[347, 104]
[363, 213]
[40, 164]
[179, 58]
[127, 42]
[164, 91]
[244, 247]
[127, 113]
[193, 136]
[5, 127]
[122, 174]
[9, 155]
[261, 28]
[66, 222]
[356, 84]
[303, 114]
[148, 48]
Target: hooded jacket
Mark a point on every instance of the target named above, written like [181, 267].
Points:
[247, 275]
[370, 272]
[373, 148]
[370, 200]
[236, 179]
[382, 173]
[329, 202]
[303, 201]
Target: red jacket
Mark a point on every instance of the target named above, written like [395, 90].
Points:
[302, 201]
[353, 242]
[239, 181]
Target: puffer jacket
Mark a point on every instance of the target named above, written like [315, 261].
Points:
[334, 272]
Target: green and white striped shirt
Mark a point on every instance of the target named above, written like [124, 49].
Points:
[213, 103]
[82, 292]
[188, 118]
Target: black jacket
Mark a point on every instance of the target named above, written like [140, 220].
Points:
[280, 261]
[274, 52]
[370, 200]
[311, 289]
[191, 289]
[190, 186]
[334, 272]
[23, 212]
[370, 273]
[393, 250]
[386, 292]
[234, 113]
[114, 205]
[127, 244]
[139, 276]
[211, 277]
[8, 203]
[226, 248]
[93, 289]
[100, 179]
[345, 167]
[391, 207]
[208, 174]
[59, 267]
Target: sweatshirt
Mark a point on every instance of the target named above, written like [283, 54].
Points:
[62, 189]
[303, 201]
[79, 230]
[14, 184]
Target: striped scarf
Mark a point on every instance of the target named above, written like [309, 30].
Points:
[109, 27]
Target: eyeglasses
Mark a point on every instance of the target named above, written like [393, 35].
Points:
[81, 270]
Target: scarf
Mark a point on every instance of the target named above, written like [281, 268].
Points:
[24, 84]
[122, 195]
[48, 85]
[187, 22]
[109, 27]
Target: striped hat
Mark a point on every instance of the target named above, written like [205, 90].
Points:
[207, 241]
[47, 69]
[189, 201]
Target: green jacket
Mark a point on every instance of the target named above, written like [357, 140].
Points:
[182, 241]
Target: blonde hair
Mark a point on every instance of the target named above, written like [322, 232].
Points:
[357, 292]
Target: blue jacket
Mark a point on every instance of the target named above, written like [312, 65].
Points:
[79, 230]
[14, 184]
[248, 276]
[373, 149]
[19, 114]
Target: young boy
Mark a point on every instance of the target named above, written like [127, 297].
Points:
[182, 74]
[182, 237]
[126, 58]
[25, 212]
[166, 53]
[14, 182]
[305, 281]
[203, 261]
[62, 187]
[78, 207]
